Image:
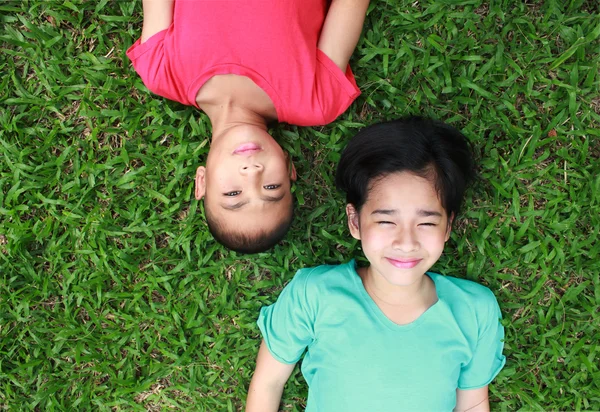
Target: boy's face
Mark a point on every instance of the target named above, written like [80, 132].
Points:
[402, 227]
[246, 181]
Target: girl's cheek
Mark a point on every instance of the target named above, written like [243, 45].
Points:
[374, 240]
[434, 239]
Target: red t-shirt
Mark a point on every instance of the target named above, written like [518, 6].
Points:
[272, 42]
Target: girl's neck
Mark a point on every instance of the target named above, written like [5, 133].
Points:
[400, 304]
[418, 294]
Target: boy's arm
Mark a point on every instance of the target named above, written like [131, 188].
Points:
[158, 15]
[341, 30]
[472, 400]
[270, 376]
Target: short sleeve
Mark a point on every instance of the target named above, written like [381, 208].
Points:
[335, 89]
[487, 359]
[150, 61]
[287, 326]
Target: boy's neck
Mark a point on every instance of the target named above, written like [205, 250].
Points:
[228, 116]
[231, 100]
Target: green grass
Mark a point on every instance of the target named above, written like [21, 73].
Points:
[113, 296]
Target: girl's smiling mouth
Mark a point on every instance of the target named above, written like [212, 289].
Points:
[404, 263]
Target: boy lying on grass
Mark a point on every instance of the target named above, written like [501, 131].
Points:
[390, 336]
[247, 63]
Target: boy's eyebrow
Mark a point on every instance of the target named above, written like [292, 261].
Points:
[420, 212]
[241, 204]
[273, 198]
[235, 206]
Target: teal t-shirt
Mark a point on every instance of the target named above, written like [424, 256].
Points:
[359, 360]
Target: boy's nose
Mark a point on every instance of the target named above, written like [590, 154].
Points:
[253, 168]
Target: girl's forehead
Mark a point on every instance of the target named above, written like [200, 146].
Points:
[394, 183]
[403, 189]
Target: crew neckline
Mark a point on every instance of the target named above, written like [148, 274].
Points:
[238, 70]
[376, 310]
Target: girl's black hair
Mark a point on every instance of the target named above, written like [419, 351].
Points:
[425, 147]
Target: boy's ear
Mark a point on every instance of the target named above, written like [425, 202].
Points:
[291, 168]
[353, 223]
[200, 182]
[449, 228]
[293, 174]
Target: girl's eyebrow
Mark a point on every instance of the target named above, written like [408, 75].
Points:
[420, 212]
[384, 212]
[427, 213]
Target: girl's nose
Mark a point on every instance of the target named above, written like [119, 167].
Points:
[405, 241]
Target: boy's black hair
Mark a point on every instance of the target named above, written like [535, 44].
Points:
[249, 243]
[414, 144]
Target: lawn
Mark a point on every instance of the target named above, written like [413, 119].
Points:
[113, 295]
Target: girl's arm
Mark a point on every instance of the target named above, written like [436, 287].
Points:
[158, 15]
[270, 376]
[472, 400]
[341, 30]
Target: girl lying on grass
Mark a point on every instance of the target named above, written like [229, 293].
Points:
[389, 336]
[247, 63]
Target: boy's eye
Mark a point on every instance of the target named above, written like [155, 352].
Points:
[234, 193]
[427, 224]
[272, 187]
[385, 222]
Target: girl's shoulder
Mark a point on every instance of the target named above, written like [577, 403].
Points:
[322, 281]
[450, 287]
[466, 298]
[324, 271]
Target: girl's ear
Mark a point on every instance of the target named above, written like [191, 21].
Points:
[200, 182]
[353, 221]
[449, 228]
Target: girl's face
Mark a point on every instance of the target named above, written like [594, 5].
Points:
[402, 227]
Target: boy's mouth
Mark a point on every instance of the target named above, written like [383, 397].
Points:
[404, 263]
[247, 149]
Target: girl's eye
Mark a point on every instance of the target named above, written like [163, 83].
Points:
[234, 193]
[385, 222]
[427, 224]
[272, 187]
